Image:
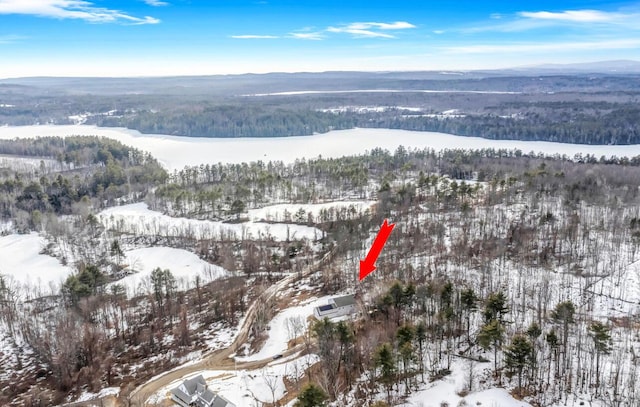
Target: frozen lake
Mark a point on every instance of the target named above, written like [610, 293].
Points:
[175, 151]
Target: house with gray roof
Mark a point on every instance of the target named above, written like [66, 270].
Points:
[194, 393]
[336, 307]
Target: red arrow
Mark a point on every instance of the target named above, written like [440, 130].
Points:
[367, 265]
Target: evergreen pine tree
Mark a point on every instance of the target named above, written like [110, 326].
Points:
[311, 396]
[385, 361]
[496, 307]
[491, 335]
[601, 336]
[563, 314]
[518, 356]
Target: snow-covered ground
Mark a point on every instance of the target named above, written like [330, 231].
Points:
[184, 266]
[614, 295]
[368, 109]
[108, 391]
[21, 262]
[139, 219]
[175, 152]
[6, 226]
[287, 212]
[27, 164]
[82, 117]
[282, 328]
[245, 387]
[446, 391]
[447, 114]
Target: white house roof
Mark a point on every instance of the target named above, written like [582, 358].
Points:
[344, 301]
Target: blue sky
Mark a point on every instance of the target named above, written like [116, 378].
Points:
[188, 37]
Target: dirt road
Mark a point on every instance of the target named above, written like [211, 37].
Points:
[220, 359]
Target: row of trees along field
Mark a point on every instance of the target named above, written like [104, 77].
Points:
[91, 171]
[219, 190]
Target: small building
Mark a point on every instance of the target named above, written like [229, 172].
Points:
[336, 307]
[194, 393]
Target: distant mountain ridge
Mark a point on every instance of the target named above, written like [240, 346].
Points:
[616, 66]
[610, 66]
[568, 77]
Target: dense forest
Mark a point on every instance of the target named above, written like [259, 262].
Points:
[580, 108]
[83, 172]
[559, 121]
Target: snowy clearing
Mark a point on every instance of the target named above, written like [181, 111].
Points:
[281, 329]
[184, 266]
[138, 219]
[175, 152]
[286, 212]
[109, 391]
[28, 164]
[21, 261]
[368, 109]
[445, 391]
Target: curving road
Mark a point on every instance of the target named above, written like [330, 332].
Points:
[220, 359]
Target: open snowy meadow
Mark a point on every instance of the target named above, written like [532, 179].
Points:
[286, 212]
[25, 266]
[184, 266]
[140, 220]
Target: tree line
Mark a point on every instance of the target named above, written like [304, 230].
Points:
[93, 171]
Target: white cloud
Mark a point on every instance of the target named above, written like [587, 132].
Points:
[314, 36]
[371, 29]
[252, 36]
[71, 9]
[587, 19]
[576, 16]
[398, 25]
[358, 32]
[156, 3]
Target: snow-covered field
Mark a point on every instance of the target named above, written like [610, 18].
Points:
[446, 391]
[288, 212]
[139, 219]
[368, 109]
[175, 152]
[27, 164]
[184, 266]
[21, 261]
